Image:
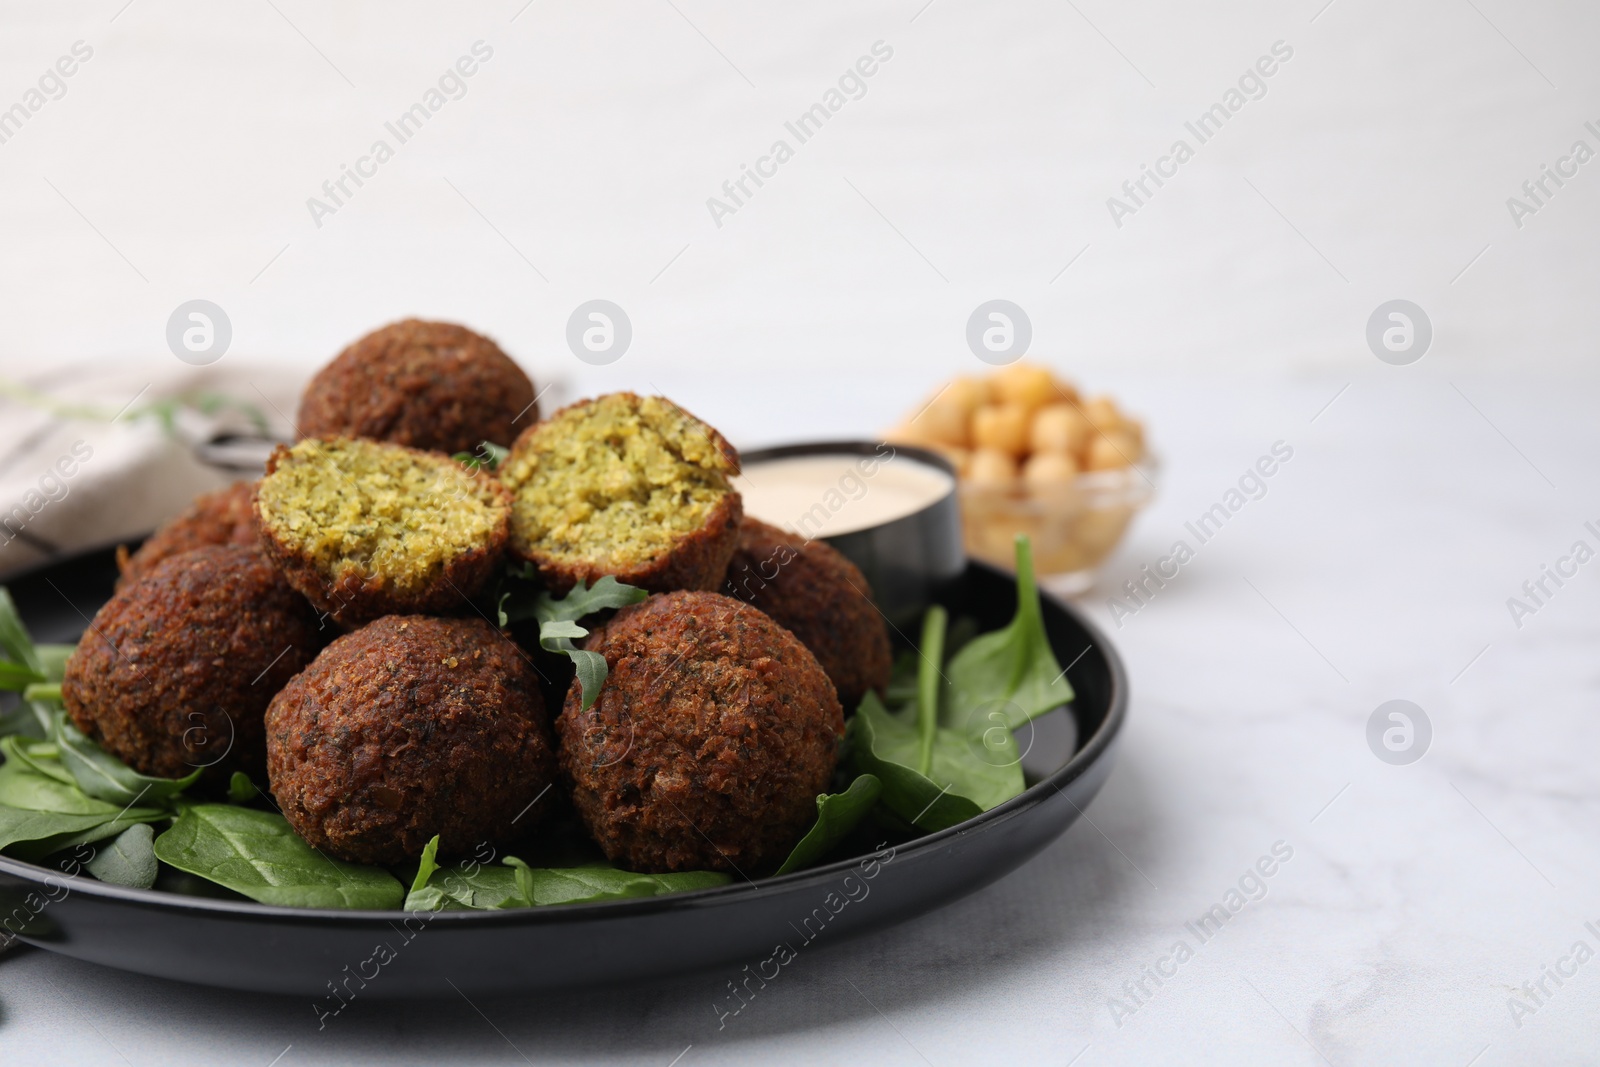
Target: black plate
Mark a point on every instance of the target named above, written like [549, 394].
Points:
[244, 945]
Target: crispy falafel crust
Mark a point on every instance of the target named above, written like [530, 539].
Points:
[355, 595]
[225, 517]
[408, 728]
[178, 667]
[430, 385]
[819, 596]
[695, 559]
[712, 736]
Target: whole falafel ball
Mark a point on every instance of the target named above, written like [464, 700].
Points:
[177, 669]
[365, 528]
[812, 591]
[225, 517]
[629, 486]
[407, 728]
[431, 385]
[711, 738]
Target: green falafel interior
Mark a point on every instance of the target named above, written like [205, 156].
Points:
[354, 506]
[618, 479]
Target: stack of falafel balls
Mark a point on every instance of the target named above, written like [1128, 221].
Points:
[329, 630]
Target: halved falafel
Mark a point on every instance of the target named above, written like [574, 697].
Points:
[225, 517]
[178, 667]
[431, 385]
[365, 529]
[714, 733]
[624, 485]
[408, 728]
[819, 596]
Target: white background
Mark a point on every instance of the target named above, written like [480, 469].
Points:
[1229, 312]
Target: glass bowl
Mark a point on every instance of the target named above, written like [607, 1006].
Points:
[1073, 528]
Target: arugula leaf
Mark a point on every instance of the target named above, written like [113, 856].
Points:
[1012, 670]
[967, 776]
[129, 860]
[425, 866]
[20, 665]
[257, 854]
[103, 776]
[558, 622]
[837, 815]
[928, 678]
[488, 455]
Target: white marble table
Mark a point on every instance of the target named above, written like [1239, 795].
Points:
[1417, 900]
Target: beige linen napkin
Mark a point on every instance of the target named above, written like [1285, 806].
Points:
[100, 453]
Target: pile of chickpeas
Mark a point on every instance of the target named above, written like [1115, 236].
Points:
[1022, 441]
[1023, 428]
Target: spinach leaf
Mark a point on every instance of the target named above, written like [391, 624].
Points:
[928, 688]
[31, 835]
[967, 775]
[256, 853]
[129, 860]
[105, 777]
[53, 660]
[558, 622]
[425, 867]
[21, 721]
[22, 785]
[1011, 671]
[544, 886]
[20, 665]
[41, 756]
[837, 815]
[466, 886]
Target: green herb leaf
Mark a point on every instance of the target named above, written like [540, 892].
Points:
[42, 756]
[1010, 671]
[43, 692]
[256, 853]
[16, 647]
[22, 785]
[24, 721]
[17, 677]
[837, 815]
[102, 775]
[425, 866]
[558, 622]
[967, 775]
[467, 886]
[53, 659]
[488, 455]
[241, 790]
[545, 886]
[929, 678]
[30, 835]
[128, 860]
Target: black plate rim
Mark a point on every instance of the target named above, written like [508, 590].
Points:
[1085, 758]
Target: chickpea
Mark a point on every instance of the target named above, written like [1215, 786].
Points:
[1001, 426]
[968, 392]
[1112, 450]
[991, 468]
[1049, 472]
[943, 421]
[1026, 384]
[1102, 414]
[1059, 428]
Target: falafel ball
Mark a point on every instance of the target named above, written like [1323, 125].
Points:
[713, 735]
[407, 728]
[819, 596]
[225, 517]
[431, 385]
[365, 529]
[624, 485]
[177, 669]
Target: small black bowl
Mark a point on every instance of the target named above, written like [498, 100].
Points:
[334, 955]
[909, 562]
